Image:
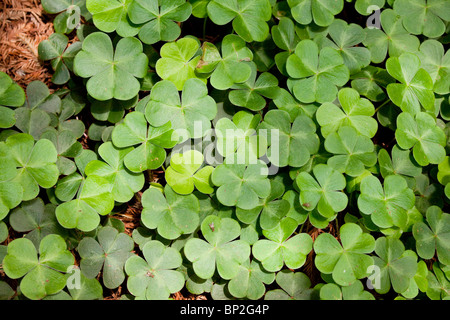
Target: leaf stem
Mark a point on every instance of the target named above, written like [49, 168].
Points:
[204, 28]
[382, 105]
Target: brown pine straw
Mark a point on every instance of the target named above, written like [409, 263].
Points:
[23, 26]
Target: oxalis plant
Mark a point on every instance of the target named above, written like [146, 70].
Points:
[292, 150]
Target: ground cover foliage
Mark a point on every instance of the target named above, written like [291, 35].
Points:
[230, 149]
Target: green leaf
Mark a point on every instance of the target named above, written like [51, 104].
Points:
[321, 12]
[421, 133]
[352, 151]
[238, 138]
[112, 72]
[396, 267]
[294, 286]
[251, 93]
[11, 95]
[234, 67]
[109, 253]
[36, 163]
[36, 219]
[387, 205]
[323, 191]
[61, 57]
[171, 214]
[158, 20]
[345, 39]
[436, 61]
[112, 15]
[249, 17]
[42, 275]
[124, 184]
[150, 153]
[393, 39]
[402, 163]
[192, 112]
[178, 61]
[416, 87]
[93, 199]
[433, 237]
[250, 280]
[290, 145]
[184, 173]
[347, 262]
[220, 250]
[355, 111]
[241, 185]
[315, 74]
[355, 291]
[153, 277]
[281, 249]
[424, 17]
[370, 82]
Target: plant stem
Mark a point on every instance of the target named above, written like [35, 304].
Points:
[382, 105]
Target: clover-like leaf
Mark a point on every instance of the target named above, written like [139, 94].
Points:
[42, 274]
[184, 173]
[281, 249]
[241, 185]
[67, 11]
[396, 266]
[11, 95]
[438, 284]
[234, 64]
[150, 154]
[192, 112]
[249, 17]
[219, 250]
[251, 93]
[424, 17]
[11, 192]
[250, 280]
[370, 82]
[323, 191]
[112, 72]
[346, 262]
[436, 61]
[111, 110]
[355, 111]
[286, 39]
[433, 236]
[61, 57]
[178, 61]
[392, 40]
[345, 39]
[402, 163]
[154, 277]
[94, 198]
[293, 286]
[238, 137]
[321, 12]
[270, 210]
[36, 163]
[67, 147]
[353, 152]
[67, 187]
[109, 252]
[124, 184]
[387, 205]
[112, 15]
[158, 19]
[364, 7]
[421, 133]
[416, 87]
[315, 74]
[355, 291]
[36, 219]
[290, 145]
[171, 214]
